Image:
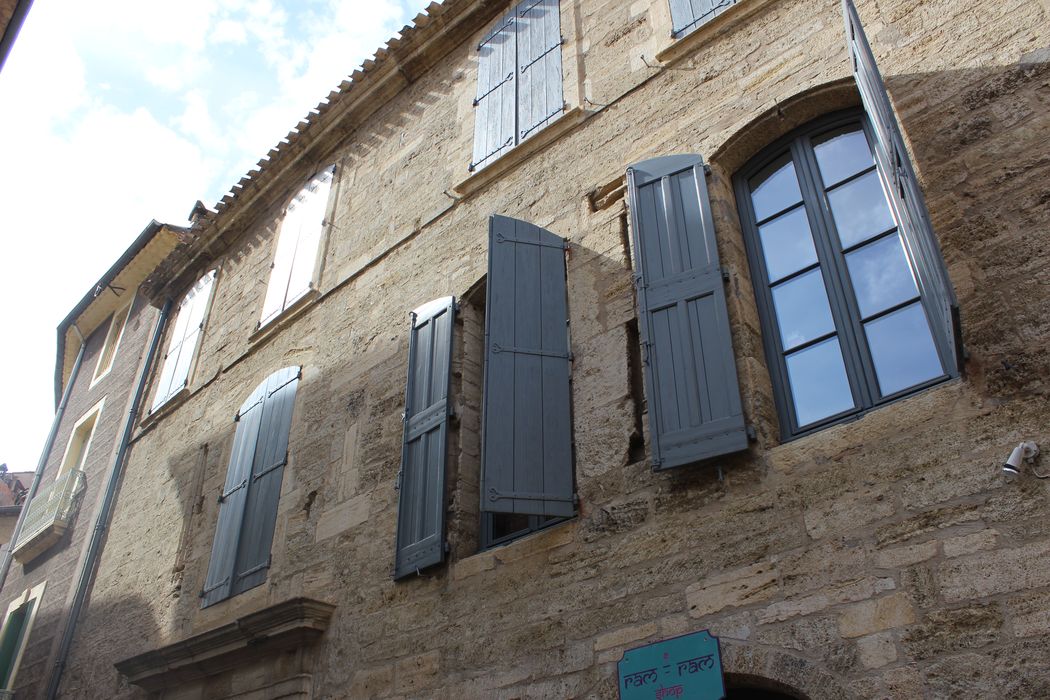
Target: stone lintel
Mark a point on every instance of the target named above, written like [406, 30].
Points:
[293, 623]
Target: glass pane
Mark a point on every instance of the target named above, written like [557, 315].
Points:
[787, 244]
[881, 275]
[819, 386]
[902, 349]
[841, 153]
[775, 188]
[802, 309]
[860, 209]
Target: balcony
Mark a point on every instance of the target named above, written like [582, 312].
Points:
[50, 513]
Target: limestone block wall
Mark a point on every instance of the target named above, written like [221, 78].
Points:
[880, 558]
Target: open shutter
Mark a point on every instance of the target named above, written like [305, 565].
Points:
[217, 586]
[527, 424]
[906, 197]
[264, 487]
[539, 65]
[690, 374]
[495, 107]
[421, 482]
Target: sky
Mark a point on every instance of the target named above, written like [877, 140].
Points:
[117, 112]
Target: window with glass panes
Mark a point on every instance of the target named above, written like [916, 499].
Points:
[847, 328]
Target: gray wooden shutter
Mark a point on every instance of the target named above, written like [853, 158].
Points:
[690, 373]
[539, 65]
[687, 15]
[495, 107]
[527, 417]
[906, 197]
[264, 486]
[421, 481]
[217, 585]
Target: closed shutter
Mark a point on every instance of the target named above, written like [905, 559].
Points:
[687, 15]
[183, 344]
[294, 263]
[539, 65]
[495, 107]
[217, 586]
[906, 197]
[690, 374]
[312, 204]
[527, 418]
[421, 482]
[264, 488]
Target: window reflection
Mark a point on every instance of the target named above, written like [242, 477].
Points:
[775, 188]
[881, 275]
[819, 385]
[902, 349]
[860, 209]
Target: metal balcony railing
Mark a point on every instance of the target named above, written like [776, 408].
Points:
[50, 511]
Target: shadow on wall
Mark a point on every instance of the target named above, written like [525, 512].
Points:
[978, 137]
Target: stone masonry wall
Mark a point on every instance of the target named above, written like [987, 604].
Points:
[879, 558]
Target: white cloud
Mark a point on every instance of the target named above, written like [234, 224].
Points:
[85, 172]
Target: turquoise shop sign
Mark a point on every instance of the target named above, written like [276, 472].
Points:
[681, 668]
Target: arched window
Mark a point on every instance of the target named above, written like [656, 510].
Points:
[846, 314]
[294, 263]
[240, 554]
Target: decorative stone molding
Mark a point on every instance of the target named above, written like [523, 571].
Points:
[294, 623]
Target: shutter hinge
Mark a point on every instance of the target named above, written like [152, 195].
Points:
[725, 273]
[576, 499]
[657, 462]
[397, 484]
[707, 169]
[447, 547]
[752, 434]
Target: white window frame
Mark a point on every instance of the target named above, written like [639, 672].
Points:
[305, 220]
[93, 414]
[112, 343]
[33, 594]
[195, 304]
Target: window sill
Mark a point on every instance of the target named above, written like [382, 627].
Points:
[522, 152]
[285, 318]
[676, 49]
[166, 408]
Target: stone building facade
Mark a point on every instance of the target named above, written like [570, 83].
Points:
[874, 552]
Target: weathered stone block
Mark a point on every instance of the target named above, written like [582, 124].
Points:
[752, 584]
[870, 616]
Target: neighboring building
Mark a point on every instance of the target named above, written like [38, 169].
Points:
[101, 349]
[13, 487]
[762, 393]
[12, 15]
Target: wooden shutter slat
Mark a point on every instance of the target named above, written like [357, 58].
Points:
[905, 195]
[420, 539]
[264, 488]
[527, 429]
[495, 105]
[694, 397]
[539, 65]
[217, 585]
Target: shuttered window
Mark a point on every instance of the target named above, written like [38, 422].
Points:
[690, 374]
[294, 263]
[240, 556]
[182, 346]
[527, 457]
[421, 481]
[687, 15]
[519, 79]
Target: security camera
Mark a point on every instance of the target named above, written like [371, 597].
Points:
[1024, 452]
